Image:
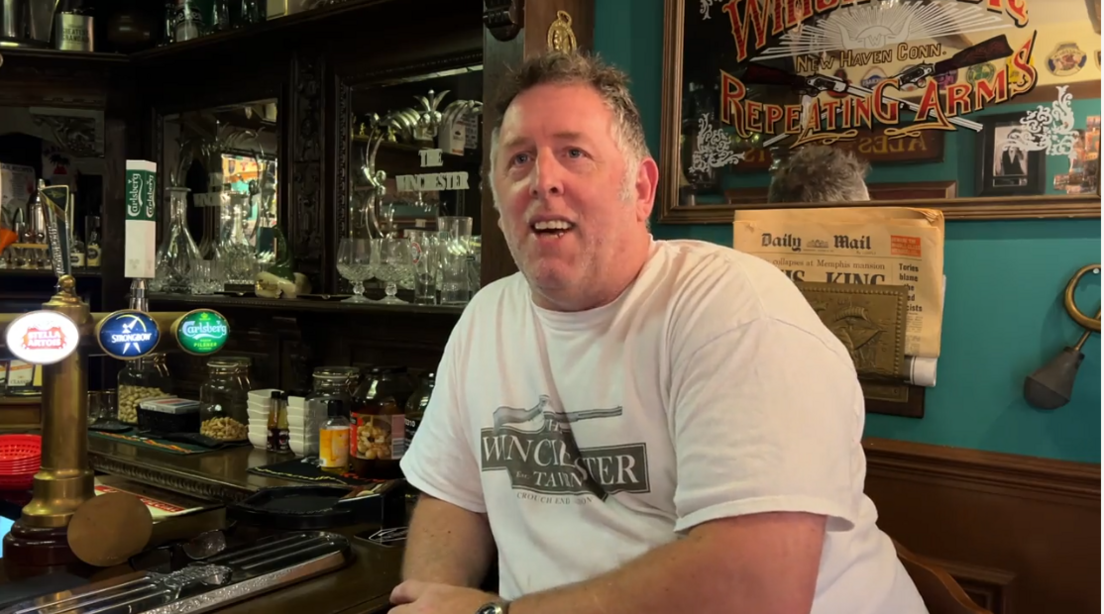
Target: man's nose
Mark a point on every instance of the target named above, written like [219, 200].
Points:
[546, 179]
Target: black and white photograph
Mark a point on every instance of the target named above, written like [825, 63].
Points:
[1007, 166]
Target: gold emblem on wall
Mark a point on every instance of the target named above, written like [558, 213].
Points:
[560, 35]
[869, 320]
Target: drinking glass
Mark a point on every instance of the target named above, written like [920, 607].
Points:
[423, 248]
[396, 264]
[454, 234]
[353, 263]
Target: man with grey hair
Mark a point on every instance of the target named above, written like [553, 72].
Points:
[819, 174]
[636, 426]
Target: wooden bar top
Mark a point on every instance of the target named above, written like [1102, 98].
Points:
[361, 587]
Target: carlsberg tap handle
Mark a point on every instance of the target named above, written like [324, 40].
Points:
[140, 261]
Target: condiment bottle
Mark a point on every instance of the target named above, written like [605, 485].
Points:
[277, 422]
[378, 439]
[333, 439]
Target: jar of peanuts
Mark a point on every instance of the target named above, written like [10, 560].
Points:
[224, 401]
[141, 379]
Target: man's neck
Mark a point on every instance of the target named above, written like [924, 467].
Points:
[612, 288]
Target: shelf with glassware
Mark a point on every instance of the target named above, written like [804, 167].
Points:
[415, 193]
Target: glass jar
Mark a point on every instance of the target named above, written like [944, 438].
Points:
[224, 400]
[329, 383]
[139, 380]
[378, 439]
[246, 364]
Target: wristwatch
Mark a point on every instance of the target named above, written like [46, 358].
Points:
[494, 607]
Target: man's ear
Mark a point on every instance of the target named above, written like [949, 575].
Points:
[647, 179]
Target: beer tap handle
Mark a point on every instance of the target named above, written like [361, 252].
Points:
[57, 225]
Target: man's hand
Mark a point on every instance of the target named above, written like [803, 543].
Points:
[416, 597]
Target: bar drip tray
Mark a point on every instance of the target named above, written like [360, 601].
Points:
[236, 574]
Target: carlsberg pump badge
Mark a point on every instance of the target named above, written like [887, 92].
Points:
[201, 332]
[141, 225]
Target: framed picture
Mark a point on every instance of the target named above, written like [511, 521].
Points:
[1007, 168]
[898, 83]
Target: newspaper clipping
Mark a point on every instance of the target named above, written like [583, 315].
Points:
[858, 245]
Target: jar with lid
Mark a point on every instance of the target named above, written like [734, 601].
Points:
[378, 438]
[223, 401]
[329, 383]
[246, 364]
[416, 405]
[139, 380]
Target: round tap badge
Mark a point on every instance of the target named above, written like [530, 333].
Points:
[127, 334]
[42, 337]
[201, 332]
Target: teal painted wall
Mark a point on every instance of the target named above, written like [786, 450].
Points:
[1003, 317]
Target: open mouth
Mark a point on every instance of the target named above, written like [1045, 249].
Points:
[552, 228]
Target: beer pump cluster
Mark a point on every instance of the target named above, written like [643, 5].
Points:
[59, 337]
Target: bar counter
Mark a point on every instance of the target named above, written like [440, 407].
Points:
[222, 477]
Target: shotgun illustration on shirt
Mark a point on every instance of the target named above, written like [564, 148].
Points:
[537, 449]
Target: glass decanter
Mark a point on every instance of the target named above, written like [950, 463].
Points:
[178, 253]
[239, 262]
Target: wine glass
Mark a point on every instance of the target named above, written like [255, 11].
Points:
[353, 263]
[396, 265]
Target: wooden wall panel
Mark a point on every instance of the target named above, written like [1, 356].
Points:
[1021, 534]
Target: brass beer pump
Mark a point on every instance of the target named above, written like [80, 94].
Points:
[65, 479]
[1052, 385]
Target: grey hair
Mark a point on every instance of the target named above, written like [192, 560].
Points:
[578, 68]
[817, 173]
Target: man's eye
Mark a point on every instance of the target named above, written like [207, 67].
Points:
[575, 152]
[520, 158]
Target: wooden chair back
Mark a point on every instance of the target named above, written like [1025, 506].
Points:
[940, 592]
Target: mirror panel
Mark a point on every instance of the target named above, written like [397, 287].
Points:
[226, 157]
[952, 102]
[416, 151]
[62, 146]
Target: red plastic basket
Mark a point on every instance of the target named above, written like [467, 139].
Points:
[20, 459]
[19, 447]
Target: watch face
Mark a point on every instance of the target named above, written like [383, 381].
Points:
[490, 608]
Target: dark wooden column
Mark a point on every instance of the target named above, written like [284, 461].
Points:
[515, 30]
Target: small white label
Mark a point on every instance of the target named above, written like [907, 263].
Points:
[42, 337]
[432, 182]
[431, 158]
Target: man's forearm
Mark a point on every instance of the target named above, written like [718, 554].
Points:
[691, 575]
[447, 544]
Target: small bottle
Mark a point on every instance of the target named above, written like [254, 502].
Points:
[416, 405]
[273, 442]
[282, 424]
[333, 439]
[92, 245]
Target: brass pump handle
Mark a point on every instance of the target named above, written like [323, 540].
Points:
[1071, 306]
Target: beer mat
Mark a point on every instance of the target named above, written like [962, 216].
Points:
[179, 443]
[110, 426]
[305, 470]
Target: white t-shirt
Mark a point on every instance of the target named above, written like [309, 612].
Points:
[709, 389]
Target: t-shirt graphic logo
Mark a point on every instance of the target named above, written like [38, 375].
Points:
[537, 449]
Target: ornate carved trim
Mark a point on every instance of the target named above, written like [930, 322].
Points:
[307, 144]
[504, 18]
[343, 102]
[169, 479]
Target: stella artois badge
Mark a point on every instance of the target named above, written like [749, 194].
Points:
[1066, 59]
[42, 337]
